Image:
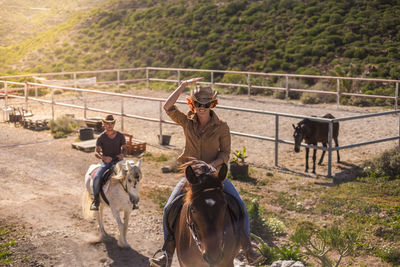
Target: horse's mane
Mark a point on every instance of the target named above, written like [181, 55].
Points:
[207, 175]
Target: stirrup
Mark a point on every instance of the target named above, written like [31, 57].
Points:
[165, 254]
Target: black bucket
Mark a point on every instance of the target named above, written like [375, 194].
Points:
[86, 134]
[165, 139]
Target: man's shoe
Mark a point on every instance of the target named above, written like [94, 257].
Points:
[95, 204]
[253, 257]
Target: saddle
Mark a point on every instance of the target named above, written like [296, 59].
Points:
[103, 180]
[173, 212]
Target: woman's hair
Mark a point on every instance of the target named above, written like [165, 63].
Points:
[190, 103]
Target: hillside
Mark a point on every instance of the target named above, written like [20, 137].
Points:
[346, 38]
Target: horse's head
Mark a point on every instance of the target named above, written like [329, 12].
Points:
[206, 210]
[298, 135]
[129, 175]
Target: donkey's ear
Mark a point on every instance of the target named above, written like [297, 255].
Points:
[223, 171]
[190, 175]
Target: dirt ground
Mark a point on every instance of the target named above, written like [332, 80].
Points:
[42, 178]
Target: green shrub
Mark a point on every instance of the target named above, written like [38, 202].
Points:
[276, 226]
[62, 126]
[385, 165]
[389, 254]
[319, 243]
[309, 98]
[258, 224]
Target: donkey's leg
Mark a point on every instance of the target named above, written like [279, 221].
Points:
[314, 157]
[307, 152]
[117, 217]
[337, 144]
[323, 153]
[100, 221]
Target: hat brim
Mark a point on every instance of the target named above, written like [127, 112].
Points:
[204, 100]
[108, 121]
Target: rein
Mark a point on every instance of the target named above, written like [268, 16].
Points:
[192, 225]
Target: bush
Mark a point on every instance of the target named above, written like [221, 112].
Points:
[385, 165]
[258, 224]
[309, 99]
[62, 126]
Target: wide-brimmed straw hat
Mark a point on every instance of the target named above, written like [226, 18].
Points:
[203, 94]
[109, 119]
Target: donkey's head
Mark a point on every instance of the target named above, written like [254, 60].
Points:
[298, 136]
[206, 209]
[129, 175]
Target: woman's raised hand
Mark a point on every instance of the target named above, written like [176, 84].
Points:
[191, 81]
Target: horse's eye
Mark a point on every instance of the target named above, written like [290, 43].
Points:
[130, 180]
[193, 210]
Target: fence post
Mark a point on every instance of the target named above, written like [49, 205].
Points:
[337, 93]
[26, 95]
[118, 78]
[287, 87]
[330, 148]
[36, 91]
[160, 117]
[85, 105]
[75, 79]
[52, 102]
[276, 138]
[248, 85]
[212, 80]
[6, 92]
[179, 77]
[147, 78]
[122, 114]
[396, 96]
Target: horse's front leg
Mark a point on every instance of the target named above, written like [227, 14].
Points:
[127, 213]
[100, 221]
[323, 153]
[314, 158]
[121, 240]
[307, 152]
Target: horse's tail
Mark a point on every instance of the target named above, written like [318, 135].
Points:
[86, 202]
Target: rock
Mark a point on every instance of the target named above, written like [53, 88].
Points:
[285, 263]
[166, 169]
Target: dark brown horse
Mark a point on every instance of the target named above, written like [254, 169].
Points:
[205, 234]
[313, 132]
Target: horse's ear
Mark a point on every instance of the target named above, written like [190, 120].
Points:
[190, 175]
[139, 163]
[294, 127]
[223, 171]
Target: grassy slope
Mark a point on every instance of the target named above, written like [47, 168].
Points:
[316, 37]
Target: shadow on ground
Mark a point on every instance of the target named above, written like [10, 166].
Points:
[124, 256]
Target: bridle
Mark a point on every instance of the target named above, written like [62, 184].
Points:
[192, 226]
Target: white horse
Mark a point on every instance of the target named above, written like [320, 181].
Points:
[121, 191]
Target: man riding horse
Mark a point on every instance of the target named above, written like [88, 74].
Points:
[110, 148]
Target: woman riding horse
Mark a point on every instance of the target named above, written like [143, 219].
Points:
[207, 138]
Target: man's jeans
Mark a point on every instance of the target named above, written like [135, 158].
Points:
[228, 187]
[100, 171]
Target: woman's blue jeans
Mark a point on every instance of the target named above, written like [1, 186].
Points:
[100, 171]
[228, 187]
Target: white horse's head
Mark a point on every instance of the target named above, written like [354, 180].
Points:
[129, 175]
